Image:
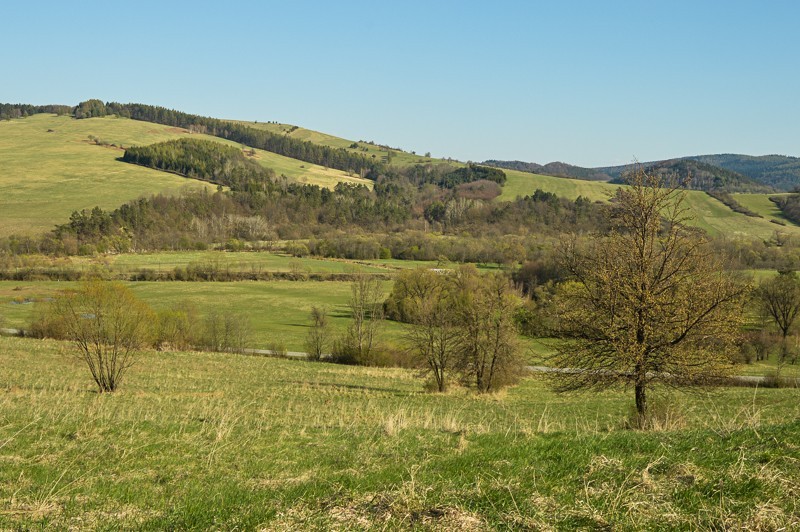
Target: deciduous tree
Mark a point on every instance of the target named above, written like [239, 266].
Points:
[108, 325]
[650, 302]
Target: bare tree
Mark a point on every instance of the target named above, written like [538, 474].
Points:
[366, 308]
[108, 324]
[649, 302]
[318, 339]
[779, 299]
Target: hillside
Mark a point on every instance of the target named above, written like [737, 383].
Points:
[709, 213]
[703, 176]
[50, 168]
[779, 171]
[556, 169]
[379, 152]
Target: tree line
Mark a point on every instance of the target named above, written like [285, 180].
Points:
[327, 156]
[9, 111]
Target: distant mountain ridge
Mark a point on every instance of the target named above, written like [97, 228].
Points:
[704, 176]
[556, 169]
[780, 172]
[729, 172]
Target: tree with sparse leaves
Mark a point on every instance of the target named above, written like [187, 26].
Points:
[648, 303]
[108, 325]
[779, 299]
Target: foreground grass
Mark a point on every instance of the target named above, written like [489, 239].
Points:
[223, 441]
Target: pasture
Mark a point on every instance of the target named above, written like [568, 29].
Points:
[202, 441]
[51, 168]
[708, 213]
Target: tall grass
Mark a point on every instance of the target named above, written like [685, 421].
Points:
[197, 440]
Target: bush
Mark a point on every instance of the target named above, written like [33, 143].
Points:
[107, 324]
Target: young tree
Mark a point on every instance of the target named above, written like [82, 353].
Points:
[366, 308]
[650, 302]
[488, 346]
[434, 334]
[318, 339]
[779, 299]
[108, 324]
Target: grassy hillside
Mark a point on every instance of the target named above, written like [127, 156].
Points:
[49, 168]
[761, 204]
[709, 214]
[399, 158]
[209, 441]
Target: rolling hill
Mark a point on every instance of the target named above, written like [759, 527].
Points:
[779, 171]
[54, 165]
[51, 167]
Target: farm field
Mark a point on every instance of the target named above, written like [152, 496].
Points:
[197, 440]
[50, 168]
[276, 311]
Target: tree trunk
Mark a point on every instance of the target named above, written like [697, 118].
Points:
[641, 399]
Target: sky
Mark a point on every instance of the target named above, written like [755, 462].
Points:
[585, 82]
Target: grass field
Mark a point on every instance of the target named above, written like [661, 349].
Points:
[277, 311]
[760, 204]
[709, 214]
[50, 168]
[210, 441]
[45, 175]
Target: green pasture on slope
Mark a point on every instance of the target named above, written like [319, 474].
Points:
[221, 441]
[50, 168]
[708, 213]
[761, 204]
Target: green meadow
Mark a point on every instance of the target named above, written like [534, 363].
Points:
[49, 169]
[708, 213]
[219, 441]
[276, 311]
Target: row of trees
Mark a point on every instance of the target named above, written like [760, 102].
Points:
[285, 145]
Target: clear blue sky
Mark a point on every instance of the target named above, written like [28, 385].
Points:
[590, 83]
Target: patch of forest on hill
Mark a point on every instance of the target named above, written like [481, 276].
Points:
[350, 221]
[696, 175]
[779, 171]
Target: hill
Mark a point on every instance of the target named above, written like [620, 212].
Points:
[556, 169]
[779, 171]
[372, 150]
[709, 213]
[51, 167]
[704, 176]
